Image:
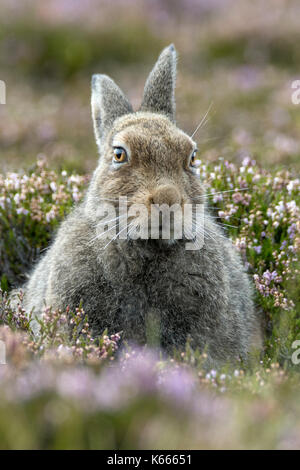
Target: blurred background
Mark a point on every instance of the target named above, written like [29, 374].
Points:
[242, 56]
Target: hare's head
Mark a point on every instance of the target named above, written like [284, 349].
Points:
[144, 156]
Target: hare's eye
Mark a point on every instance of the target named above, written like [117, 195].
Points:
[120, 155]
[193, 161]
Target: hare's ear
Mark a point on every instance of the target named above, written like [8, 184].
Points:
[159, 92]
[108, 103]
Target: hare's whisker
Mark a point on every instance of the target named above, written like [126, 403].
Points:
[98, 236]
[220, 209]
[210, 232]
[114, 200]
[114, 238]
[202, 120]
[235, 190]
[204, 230]
[222, 223]
[131, 230]
[104, 222]
[107, 199]
[192, 236]
[220, 192]
[105, 231]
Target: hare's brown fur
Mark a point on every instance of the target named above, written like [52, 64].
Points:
[202, 294]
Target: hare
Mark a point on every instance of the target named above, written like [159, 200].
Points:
[153, 290]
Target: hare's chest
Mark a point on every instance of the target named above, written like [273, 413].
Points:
[175, 288]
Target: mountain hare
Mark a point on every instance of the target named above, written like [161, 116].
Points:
[153, 290]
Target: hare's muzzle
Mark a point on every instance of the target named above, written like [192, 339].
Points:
[165, 212]
[166, 194]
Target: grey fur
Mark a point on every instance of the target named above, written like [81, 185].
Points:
[159, 91]
[108, 102]
[203, 294]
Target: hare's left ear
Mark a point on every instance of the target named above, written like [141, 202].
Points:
[108, 103]
[159, 92]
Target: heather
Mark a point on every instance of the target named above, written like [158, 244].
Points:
[66, 388]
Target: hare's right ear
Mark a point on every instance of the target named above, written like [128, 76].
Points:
[159, 92]
[108, 103]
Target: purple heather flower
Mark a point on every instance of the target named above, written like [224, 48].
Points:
[178, 385]
[121, 382]
[76, 383]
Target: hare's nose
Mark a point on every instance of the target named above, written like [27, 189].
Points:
[166, 194]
